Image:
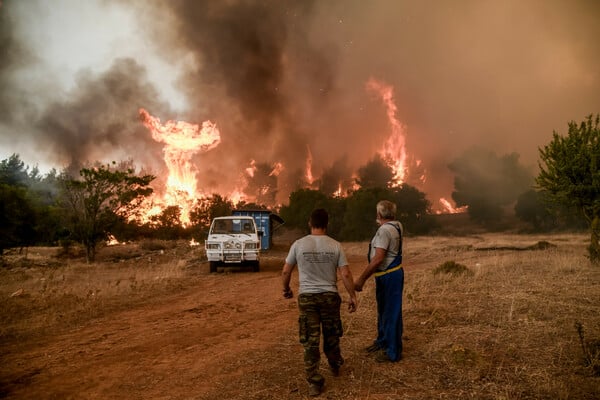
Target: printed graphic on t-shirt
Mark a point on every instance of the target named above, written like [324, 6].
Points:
[318, 257]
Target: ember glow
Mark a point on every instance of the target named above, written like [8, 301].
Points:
[182, 140]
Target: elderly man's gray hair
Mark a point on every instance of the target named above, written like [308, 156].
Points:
[386, 209]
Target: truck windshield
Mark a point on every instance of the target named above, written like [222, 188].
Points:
[229, 226]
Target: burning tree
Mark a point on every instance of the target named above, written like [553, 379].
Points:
[182, 140]
[208, 208]
[375, 174]
[94, 203]
[570, 174]
[262, 182]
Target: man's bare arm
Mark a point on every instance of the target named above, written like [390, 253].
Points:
[286, 276]
[348, 280]
[370, 269]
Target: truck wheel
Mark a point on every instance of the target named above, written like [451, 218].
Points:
[255, 266]
[213, 266]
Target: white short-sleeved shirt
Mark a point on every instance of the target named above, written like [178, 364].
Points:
[318, 257]
[387, 238]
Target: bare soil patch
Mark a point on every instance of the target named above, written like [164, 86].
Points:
[151, 322]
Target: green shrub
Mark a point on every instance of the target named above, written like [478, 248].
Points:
[453, 268]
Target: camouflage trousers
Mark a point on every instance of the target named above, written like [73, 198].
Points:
[320, 312]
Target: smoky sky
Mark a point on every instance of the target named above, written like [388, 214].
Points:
[285, 78]
[101, 115]
[12, 56]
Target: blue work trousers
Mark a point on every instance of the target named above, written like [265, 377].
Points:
[388, 293]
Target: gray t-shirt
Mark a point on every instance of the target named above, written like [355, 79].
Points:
[317, 257]
[387, 238]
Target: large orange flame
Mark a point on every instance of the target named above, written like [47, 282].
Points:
[394, 150]
[308, 173]
[182, 140]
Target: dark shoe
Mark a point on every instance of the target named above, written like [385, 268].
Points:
[382, 357]
[373, 348]
[314, 389]
[335, 366]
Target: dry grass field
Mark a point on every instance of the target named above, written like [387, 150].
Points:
[148, 321]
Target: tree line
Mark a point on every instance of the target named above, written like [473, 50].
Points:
[59, 208]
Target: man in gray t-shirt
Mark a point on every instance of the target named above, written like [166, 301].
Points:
[319, 259]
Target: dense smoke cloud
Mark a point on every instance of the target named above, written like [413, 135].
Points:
[257, 75]
[283, 80]
[101, 115]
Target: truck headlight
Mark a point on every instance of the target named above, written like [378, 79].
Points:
[212, 246]
[251, 245]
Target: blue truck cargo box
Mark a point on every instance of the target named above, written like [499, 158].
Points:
[264, 220]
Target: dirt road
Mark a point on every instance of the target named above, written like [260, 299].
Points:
[227, 335]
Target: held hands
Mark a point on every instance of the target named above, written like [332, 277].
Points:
[352, 304]
[287, 293]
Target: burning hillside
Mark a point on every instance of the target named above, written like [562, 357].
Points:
[259, 182]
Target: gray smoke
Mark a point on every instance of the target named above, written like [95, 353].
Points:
[259, 77]
[100, 115]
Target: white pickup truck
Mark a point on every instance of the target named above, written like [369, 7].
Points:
[233, 241]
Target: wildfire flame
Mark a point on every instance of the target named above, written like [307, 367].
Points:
[277, 168]
[309, 176]
[251, 169]
[182, 140]
[237, 196]
[448, 208]
[112, 240]
[338, 192]
[394, 150]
